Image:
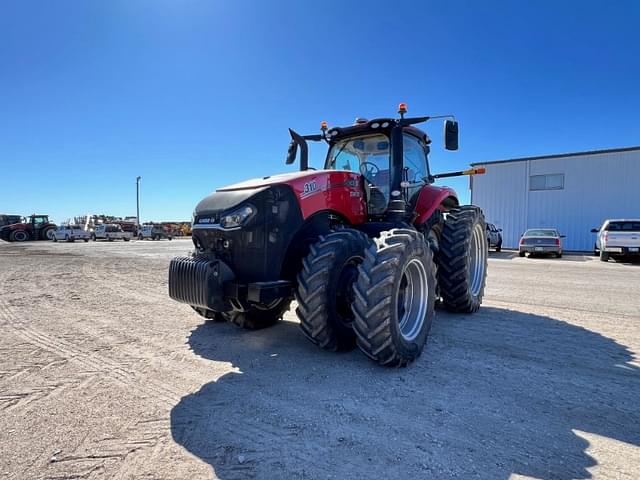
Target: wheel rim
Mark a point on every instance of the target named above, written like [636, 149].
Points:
[477, 260]
[20, 236]
[413, 293]
[344, 290]
[50, 234]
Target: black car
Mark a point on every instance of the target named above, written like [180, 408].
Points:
[494, 235]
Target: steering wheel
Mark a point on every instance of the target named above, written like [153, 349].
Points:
[373, 172]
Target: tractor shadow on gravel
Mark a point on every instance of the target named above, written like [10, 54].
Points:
[496, 393]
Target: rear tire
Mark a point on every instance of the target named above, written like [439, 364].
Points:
[521, 254]
[19, 236]
[604, 256]
[462, 260]
[140, 237]
[125, 239]
[259, 317]
[395, 297]
[325, 289]
[499, 246]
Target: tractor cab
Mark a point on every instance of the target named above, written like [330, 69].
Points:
[38, 221]
[370, 155]
[390, 154]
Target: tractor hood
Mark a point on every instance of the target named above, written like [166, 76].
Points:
[223, 200]
[270, 180]
[308, 191]
[230, 196]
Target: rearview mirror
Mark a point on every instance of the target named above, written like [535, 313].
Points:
[594, 230]
[292, 152]
[499, 229]
[451, 135]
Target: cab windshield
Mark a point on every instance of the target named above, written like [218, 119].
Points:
[369, 156]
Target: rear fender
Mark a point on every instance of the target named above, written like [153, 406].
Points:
[432, 198]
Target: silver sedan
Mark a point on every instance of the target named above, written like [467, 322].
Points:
[541, 241]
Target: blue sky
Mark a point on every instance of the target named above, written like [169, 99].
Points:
[193, 95]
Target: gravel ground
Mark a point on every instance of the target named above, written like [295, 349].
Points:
[103, 376]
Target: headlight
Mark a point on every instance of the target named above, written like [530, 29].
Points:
[236, 218]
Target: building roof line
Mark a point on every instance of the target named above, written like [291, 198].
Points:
[560, 155]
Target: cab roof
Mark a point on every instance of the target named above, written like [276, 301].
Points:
[372, 126]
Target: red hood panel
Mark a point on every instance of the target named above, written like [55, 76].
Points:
[317, 191]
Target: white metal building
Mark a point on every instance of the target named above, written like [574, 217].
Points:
[573, 192]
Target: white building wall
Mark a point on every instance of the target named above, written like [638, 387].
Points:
[596, 187]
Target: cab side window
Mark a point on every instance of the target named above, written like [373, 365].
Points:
[415, 163]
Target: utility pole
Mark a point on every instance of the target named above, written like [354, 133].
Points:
[138, 201]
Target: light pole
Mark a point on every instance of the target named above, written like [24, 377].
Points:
[138, 201]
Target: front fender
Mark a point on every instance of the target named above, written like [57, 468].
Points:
[432, 198]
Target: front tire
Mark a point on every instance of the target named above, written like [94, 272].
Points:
[395, 297]
[325, 289]
[462, 260]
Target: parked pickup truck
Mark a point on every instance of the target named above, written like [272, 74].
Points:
[110, 232]
[617, 238]
[153, 232]
[71, 233]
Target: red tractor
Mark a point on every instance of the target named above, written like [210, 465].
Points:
[35, 227]
[366, 246]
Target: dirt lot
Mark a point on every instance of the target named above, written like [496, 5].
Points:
[102, 376]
